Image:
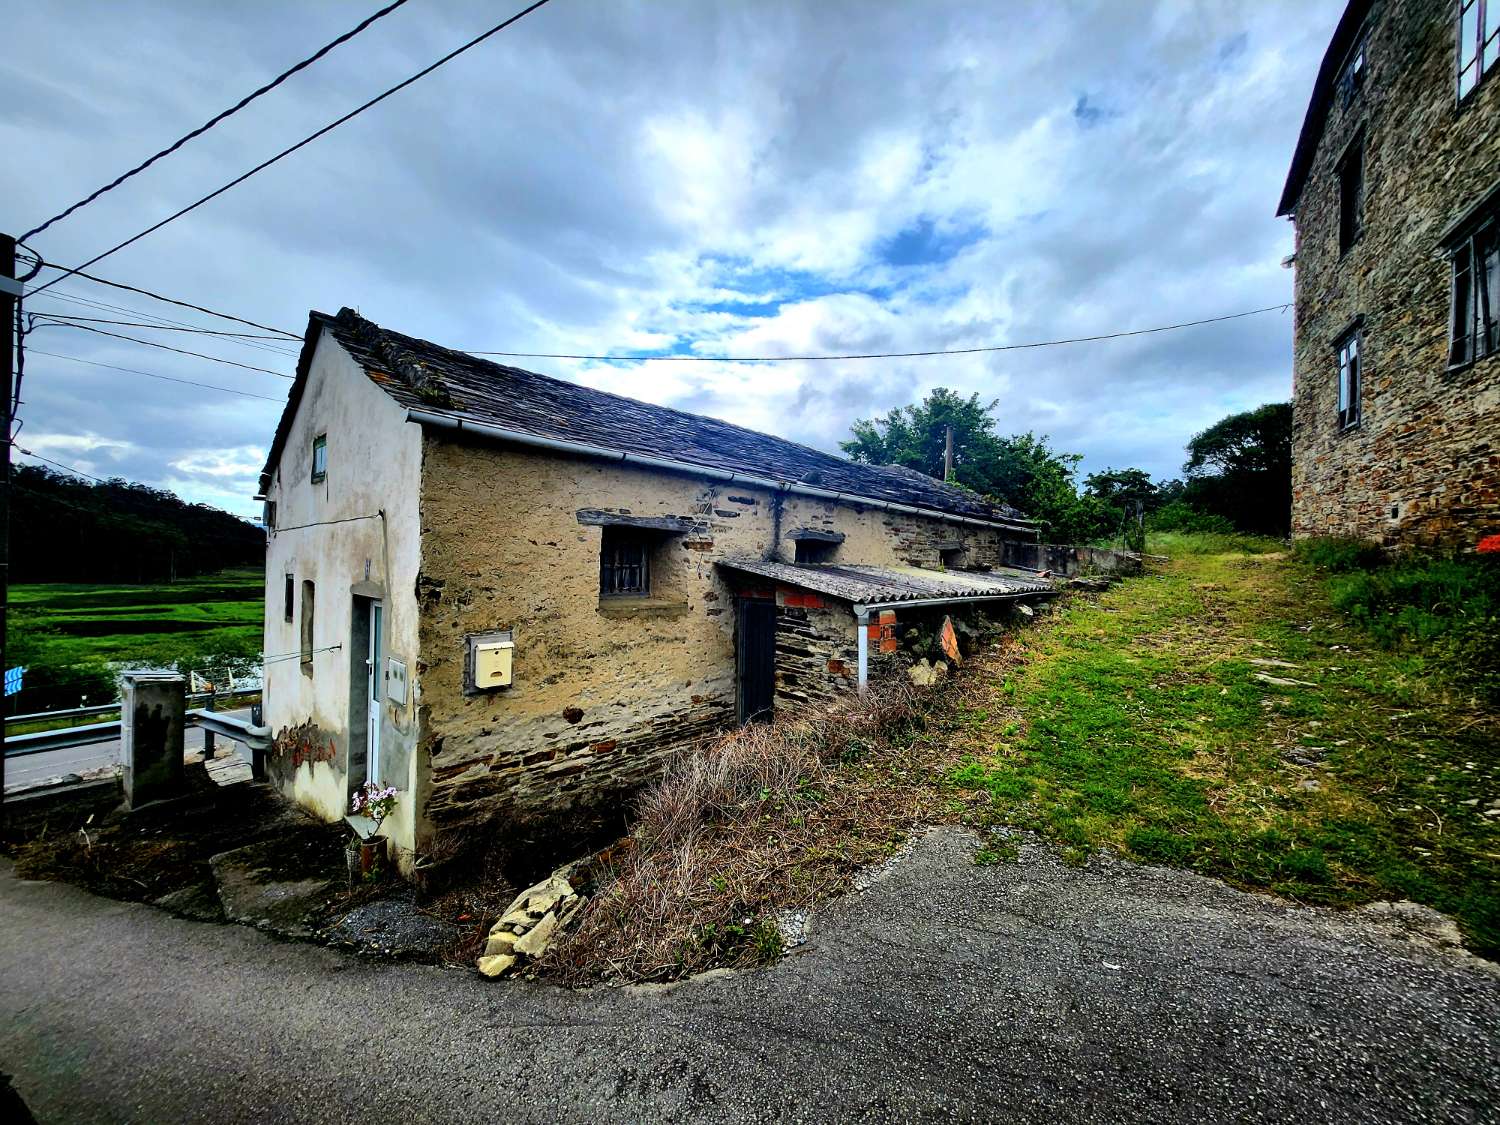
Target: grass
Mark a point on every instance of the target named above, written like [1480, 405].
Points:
[67, 624]
[1223, 715]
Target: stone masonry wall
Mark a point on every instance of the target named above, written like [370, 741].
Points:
[1422, 466]
[605, 690]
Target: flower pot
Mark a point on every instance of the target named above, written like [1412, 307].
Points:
[366, 859]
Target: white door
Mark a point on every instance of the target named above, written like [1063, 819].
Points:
[372, 698]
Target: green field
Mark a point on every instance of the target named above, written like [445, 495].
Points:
[196, 622]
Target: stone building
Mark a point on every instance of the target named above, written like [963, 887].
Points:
[508, 595]
[1395, 191]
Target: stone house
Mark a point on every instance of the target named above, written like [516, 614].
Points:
[511, 596]
[1395, 191]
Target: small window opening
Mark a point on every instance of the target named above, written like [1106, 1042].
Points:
[952, 557]
[307, 627]
[319, 458]
[1349, 379]
[1353, 78]
[288, 592]
[813, 551]
[1351, 173]
[624, 563]
[270, 516]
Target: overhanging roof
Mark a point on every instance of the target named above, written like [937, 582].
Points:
[442, 388]
[892, 585]
[1350, 24]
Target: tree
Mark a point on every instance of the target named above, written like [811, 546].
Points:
[1240, 468]
[1022, 470]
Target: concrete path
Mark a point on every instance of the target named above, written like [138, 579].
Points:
[1023, 992]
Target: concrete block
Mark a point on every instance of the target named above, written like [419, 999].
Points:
[151, 737]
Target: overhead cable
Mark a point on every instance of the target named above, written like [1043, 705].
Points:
[155, 375]
[212, 121]
[264, 164]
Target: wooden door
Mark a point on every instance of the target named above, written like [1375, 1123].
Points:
[756, 658]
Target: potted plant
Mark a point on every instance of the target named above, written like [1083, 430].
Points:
[371, 804]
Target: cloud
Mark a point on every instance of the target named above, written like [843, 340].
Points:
[765, 179]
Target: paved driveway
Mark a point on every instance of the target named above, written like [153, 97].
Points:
[1022, 992]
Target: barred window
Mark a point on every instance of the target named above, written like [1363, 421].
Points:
[624, 563]
[1349, 379]
[1475, 330]
[1478, 42]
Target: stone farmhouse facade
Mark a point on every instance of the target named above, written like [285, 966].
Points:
[512, 597]
[1395, 191]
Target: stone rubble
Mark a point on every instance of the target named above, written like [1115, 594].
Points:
[529, 924]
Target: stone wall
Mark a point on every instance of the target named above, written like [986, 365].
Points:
[1422, 466]
[1067, 560]
[606, 689]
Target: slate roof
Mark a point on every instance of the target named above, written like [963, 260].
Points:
[424, 376]
[1350, 24]
[875, 585]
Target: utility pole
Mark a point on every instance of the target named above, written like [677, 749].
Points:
[948, 456]
[10, 292]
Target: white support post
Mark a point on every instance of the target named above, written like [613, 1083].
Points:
[863, 620]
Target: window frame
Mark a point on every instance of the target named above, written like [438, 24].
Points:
[1349, 373]
[289, 597]
[320, 469]
[1351, 212]
[1481, 41]
[614, 574]
[309, 604]
[1477, 289]
[1356, 68]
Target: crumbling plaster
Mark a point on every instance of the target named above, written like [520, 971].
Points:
[374, 459]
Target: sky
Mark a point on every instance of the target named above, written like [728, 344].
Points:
[680, 178]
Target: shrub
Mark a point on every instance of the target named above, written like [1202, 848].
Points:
[1181, 516]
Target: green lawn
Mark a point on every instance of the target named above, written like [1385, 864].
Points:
[1220, 715]
[66, 625]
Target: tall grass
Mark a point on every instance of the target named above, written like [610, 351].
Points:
[764, 818]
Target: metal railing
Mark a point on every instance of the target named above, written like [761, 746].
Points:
[256, 739]
[212, 698]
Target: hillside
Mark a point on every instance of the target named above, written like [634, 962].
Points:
[66, 529]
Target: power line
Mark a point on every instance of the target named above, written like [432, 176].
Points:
[154, 375]
[163, 347]
[156, 327]
[264, 164]
[106, 306]
[881, 355]
[76, 272]
[60, 465]
[212, 121]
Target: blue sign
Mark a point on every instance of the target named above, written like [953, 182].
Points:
[13, 679]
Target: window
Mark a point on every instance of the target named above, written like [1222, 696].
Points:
[1352, 80]
[1351, 172]
[270, 516]
[1349, 379]
[1475, 330]
[951, 557]
[320, 458]
[1478, 42]
[286, 598]
[624, 563]
[307, 627]
[813, 551]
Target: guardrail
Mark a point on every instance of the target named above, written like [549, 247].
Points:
[107, 708]
[213, 723]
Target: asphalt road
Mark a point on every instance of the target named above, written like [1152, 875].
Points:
[30, 769]
[1027, 991]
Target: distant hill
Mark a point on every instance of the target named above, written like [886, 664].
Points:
[66, 529]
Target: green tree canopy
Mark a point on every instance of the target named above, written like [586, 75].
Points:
[1240, 468]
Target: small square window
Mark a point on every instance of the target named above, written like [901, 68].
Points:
[1349, 376]
[624, 563]
[319, 458]
[951, 557]
[813, 551]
